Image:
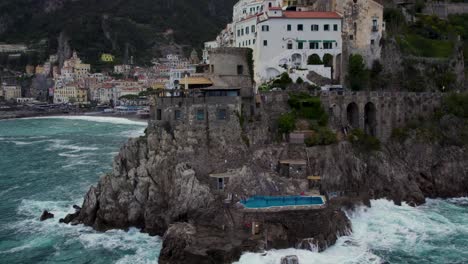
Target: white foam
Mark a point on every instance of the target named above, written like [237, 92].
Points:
[145, 247]
[383, 227]
[101, 119]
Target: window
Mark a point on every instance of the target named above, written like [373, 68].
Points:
[265, 28]
[212, 67]
[200, 115]
[327, 45]
[351, 37]
[242, 32]
[265, 43]
[300, 27]
[177, 115]
[247, 30]
[158, 114]
[315, 28]
[372, 42]
[252, 29]
[240, 69]
[326, 27]
[289, 27]
[253, 41]
[270, 4]
[335, 27]
[313, 45]
[220, 183]
[290, 45]
[300, 45]
[238, 32]
[222, 114]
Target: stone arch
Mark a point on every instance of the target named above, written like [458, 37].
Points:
[352, 115]
[370, 119]
[272, 73]
[296, 59]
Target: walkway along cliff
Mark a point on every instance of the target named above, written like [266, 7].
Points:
[208, 148]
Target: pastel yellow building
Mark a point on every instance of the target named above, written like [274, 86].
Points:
[70, 94]
[106, 57]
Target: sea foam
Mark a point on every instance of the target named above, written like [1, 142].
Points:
[101, 119]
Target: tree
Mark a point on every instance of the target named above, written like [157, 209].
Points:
[314, 59]
[299, 80]
[357, 73]
[286, 123]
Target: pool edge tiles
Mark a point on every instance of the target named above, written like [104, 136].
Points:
[287, 207]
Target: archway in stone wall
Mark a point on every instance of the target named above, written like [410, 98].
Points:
[352, 115]
[370, 119]
[272, 73]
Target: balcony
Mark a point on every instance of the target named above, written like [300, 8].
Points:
[375, 28]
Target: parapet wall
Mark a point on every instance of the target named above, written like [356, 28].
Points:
[378, 112]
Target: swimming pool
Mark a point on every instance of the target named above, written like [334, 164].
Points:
[273, 201]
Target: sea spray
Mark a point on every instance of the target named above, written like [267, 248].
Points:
[436, 232]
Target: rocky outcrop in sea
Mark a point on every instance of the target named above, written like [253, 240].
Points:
[163, 184]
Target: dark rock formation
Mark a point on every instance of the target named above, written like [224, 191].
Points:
[163, 183]
[46, 215]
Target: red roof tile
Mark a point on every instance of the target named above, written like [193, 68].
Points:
[310, 14]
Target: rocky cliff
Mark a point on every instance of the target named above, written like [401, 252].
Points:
[162, 184]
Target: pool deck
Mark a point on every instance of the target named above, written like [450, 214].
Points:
[274, 209]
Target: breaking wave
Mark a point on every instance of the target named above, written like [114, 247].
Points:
[436, 232]
[100, 119]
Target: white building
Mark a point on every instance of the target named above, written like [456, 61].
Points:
[208, 45]
[286, 39]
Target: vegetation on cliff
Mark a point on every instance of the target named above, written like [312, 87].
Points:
[139, 28]
[448, 126]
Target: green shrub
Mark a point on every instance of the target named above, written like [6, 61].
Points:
[364, 142]
[456, 104]
[299, 80]
[286, 123]
[357, 73]
[399, 134]
[314, 59]
[328, 60]
[323, 136]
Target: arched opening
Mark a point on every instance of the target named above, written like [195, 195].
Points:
[296, 59]
[272, 73]
[370, 119]
[352, 114]
[314, 59]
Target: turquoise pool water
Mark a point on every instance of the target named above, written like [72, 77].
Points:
[272, 201]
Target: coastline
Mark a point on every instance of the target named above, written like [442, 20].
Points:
[31, 114]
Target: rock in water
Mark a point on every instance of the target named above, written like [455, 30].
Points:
[46, 215]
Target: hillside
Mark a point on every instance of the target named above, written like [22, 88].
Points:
[139, 28]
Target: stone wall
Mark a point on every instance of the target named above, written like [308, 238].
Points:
[180, 115]
[378, 113]
[443, 10]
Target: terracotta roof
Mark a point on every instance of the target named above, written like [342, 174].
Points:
[196, 80]
[310, 14]
[275, 8]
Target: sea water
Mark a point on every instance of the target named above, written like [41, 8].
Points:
[50, 163]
